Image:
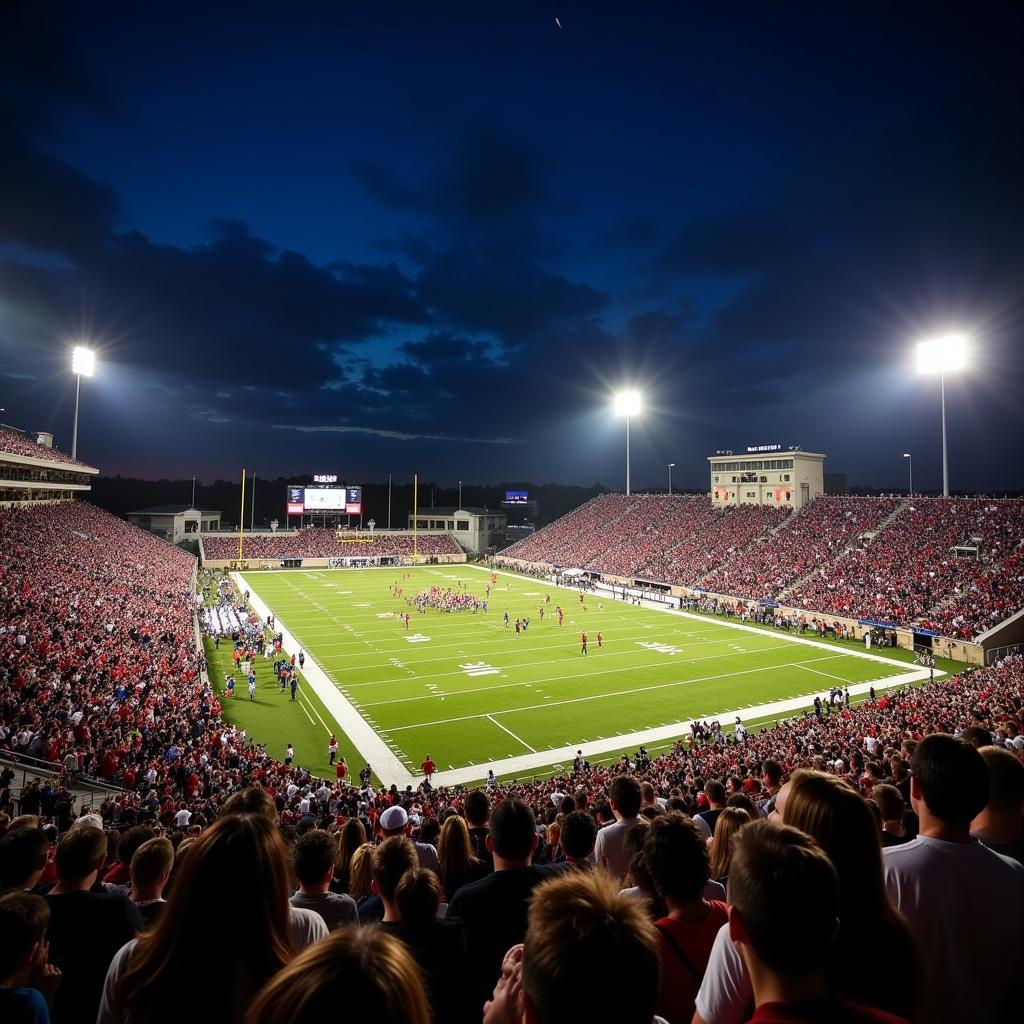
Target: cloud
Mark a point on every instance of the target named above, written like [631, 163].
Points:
[398, 435]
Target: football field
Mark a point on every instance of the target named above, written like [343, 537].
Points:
[465, 689]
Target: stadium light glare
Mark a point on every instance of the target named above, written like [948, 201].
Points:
[944, 354]
[83, 364]
[627, 403]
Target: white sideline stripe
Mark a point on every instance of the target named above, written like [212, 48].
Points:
[518, 739]
[305, 710]
[375, 750]
[544, 758]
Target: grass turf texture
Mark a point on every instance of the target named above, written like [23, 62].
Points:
[472, 693]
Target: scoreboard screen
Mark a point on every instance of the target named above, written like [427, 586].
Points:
[516, 498]
[343, 500]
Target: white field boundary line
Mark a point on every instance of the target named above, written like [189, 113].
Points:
[386, 764]
[513, 735]
[760, 631]
[542, 759]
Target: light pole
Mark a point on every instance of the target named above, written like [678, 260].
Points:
[389, 501]
[671, 465]
[910, 464]
[460, 495]
[943, 355]
[627, 403]
[83, 364]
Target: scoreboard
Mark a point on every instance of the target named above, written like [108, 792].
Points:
[325, 500]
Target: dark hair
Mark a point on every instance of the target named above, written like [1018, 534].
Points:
[23, 922]
[418, 896]
[677, 857]
[715, 791]
[579, 833]
[22, 853]
[80, 852]
[132, 840]
[625, 793]
[952, 777]
[1006, 779]
[477, 808]
[513, 828]
[787, 894]
[391, 860]
[977, 736]
[250, 801]
[772, 770]
[313, 857]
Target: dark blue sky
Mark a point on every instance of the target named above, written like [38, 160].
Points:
[402, 237]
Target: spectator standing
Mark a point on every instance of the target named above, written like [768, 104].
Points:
[624, 795]
[86, 927]
[459, 864]
[395, 822]
[478, 809]
[785, 942]
[494, 909]
[27, 980]
[964, 902]
[1000, 826]
[314, 869]
[676, 856]
[150, 871]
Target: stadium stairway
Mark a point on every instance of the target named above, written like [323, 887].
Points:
[880, 528]
[84, 789]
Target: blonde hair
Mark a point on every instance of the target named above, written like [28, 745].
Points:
[730, 821]
[364, 970]
[360, 872]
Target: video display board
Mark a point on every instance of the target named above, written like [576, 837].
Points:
[296, 501]
[325, 500]
[517, 498]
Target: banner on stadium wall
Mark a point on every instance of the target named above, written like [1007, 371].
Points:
[880, 625]
[769, 604]
[925, 632]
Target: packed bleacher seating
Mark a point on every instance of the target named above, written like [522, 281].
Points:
[878, 558]
[910, 568]
[532, 888]
[816, 536]
[15, 443]
[320, 543]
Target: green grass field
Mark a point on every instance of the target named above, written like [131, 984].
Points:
[465, 689]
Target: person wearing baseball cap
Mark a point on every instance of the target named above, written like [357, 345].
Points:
[395, 822]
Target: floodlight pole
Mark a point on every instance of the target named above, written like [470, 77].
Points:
[389, 501]
[910, 464]
[945, 452]
[627, 455]
[74, 433]
[670, 465]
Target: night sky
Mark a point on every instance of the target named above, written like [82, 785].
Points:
[386, 237]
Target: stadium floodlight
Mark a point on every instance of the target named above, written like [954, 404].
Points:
[671, 466]
[83, 364]
[627, 403]
[942, 355]
[910, 464]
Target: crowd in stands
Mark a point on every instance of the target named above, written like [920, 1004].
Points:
[877, 558]
[317, 542]
[858, 863]
[815, 537]
[15, 443]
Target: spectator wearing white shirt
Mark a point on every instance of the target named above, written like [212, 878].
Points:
[625, 796]
[963, 901]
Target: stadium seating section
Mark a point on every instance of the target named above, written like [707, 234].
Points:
[320, 543]
[882, 558]
[18, 444]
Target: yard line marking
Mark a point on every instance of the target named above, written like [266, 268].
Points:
[599, 696]
[827, 675]
[514, 736]
[302, 704]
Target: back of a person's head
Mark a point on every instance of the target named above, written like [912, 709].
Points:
[952, 778]
[977, 736]
[477, 808]
[152, 861]
[233, 883]
[582, 929]
[715, 791]
[889, 799]
[80, 852]
[23, 922]
[513, 828]
[391, 860]
[676, 856]
[786, 893]
[132, 840]
[314, 856]
[22, 854]
[1006, 780]
[364, 973]
[418, 896]
[625, 793]
[579, 833]
[360, 872]
[250, 801]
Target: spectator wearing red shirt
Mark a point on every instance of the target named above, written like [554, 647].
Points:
[428, 767]
[676, 856]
